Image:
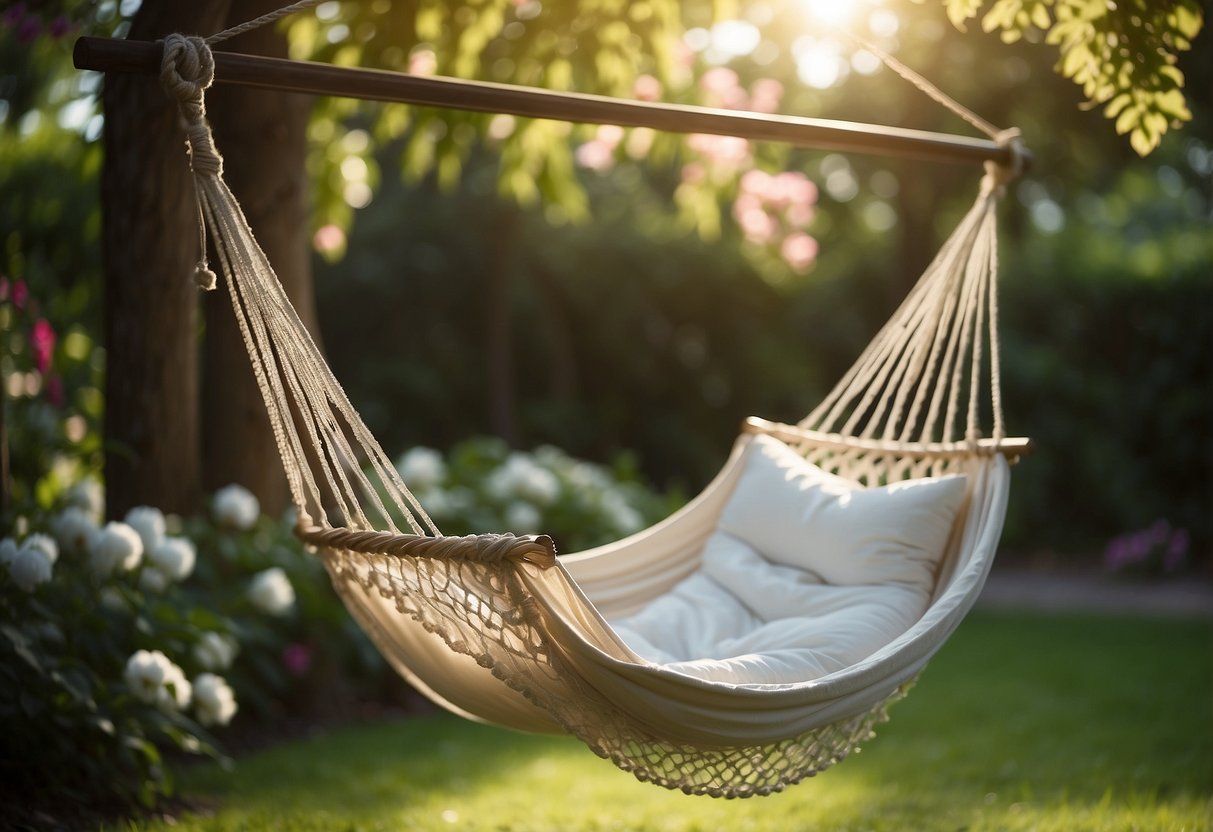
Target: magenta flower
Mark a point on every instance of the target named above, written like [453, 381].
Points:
[42, 344]
[297, 659]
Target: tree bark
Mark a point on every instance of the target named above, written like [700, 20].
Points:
[149, 242]
[263, 138]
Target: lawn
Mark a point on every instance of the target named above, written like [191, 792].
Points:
[1022, 722]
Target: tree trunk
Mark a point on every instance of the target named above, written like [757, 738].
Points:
[262, 136]
[149, 247]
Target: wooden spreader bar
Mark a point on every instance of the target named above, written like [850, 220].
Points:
[143, 57]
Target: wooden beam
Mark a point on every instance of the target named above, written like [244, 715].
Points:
[143, 57]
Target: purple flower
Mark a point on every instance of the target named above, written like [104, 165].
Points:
[59, 27]
[14, 15]
[1177, 551]
[297, 659]
[29, 29]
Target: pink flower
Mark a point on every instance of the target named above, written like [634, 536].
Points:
[646, 88]
[20, 294]
[799, 250]
[765, 95]
[595, 155]
[722, 88]
[693, 173]
[42, 344]
[297, 659]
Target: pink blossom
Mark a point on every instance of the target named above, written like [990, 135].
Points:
[42, 344]
[799, 250]
[765, 95]
[799, 215]
[610, 135]
[723, 152]
[693, 173]
[423, 62]
[328, 238]
[722, 87]
[20, 294]
[755, 182]
[646, 88]
[757, 225]
[596, 155]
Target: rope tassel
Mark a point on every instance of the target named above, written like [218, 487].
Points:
[187, 69]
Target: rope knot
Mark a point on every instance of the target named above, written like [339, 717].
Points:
[187, 68]
[999, 174]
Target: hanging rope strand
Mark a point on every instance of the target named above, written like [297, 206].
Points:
[264, 20]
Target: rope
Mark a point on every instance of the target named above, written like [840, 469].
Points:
[264, 20]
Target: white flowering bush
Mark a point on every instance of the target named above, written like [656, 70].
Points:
[482, 485]
[122, 640]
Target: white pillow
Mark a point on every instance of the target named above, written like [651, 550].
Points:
[795, 514]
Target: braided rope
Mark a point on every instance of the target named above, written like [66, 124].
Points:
[264, 20]
[483, 548]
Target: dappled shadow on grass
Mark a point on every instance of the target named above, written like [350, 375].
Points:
[1021, 722]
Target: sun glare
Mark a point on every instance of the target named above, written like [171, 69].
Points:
[833, 12]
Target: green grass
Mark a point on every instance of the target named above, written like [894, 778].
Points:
[1022, 722]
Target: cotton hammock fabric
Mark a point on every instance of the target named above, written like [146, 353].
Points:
[496, 628]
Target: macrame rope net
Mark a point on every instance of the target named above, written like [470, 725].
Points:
[495, 628]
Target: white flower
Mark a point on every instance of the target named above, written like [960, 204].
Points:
[87, 495]
[519, 476]
[8, 551]
[435, 501]
[522, 518]
[176, 693]
[149, 522]
[31, 566]
[112, 599]
[174, 556]
[271, 591]
[151, 677]
[622, 516]
[114, 546]
[74, 527]
[153, 579]
[235, 507]
[144, 675]
[214, 702]
[422, 468]
[43, 543]
[215, 652]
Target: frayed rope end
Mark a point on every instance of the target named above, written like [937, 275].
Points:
[204, 277]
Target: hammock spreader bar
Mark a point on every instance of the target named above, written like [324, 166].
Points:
[143, 57]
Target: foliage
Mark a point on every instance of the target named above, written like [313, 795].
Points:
[1022, 722]
[601, 47]
[1123, 55]
[483, 486]
[110, 654]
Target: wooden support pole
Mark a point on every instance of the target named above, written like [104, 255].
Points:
[108, 55]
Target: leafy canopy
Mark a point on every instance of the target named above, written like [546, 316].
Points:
[1124, 54]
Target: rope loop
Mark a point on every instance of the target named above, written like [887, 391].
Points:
[999, 175]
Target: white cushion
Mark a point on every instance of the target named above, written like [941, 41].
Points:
[798, 515]
[806, 574]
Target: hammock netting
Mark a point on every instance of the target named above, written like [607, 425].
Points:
[496, 628]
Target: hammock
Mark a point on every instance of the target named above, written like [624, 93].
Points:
[494, 627]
